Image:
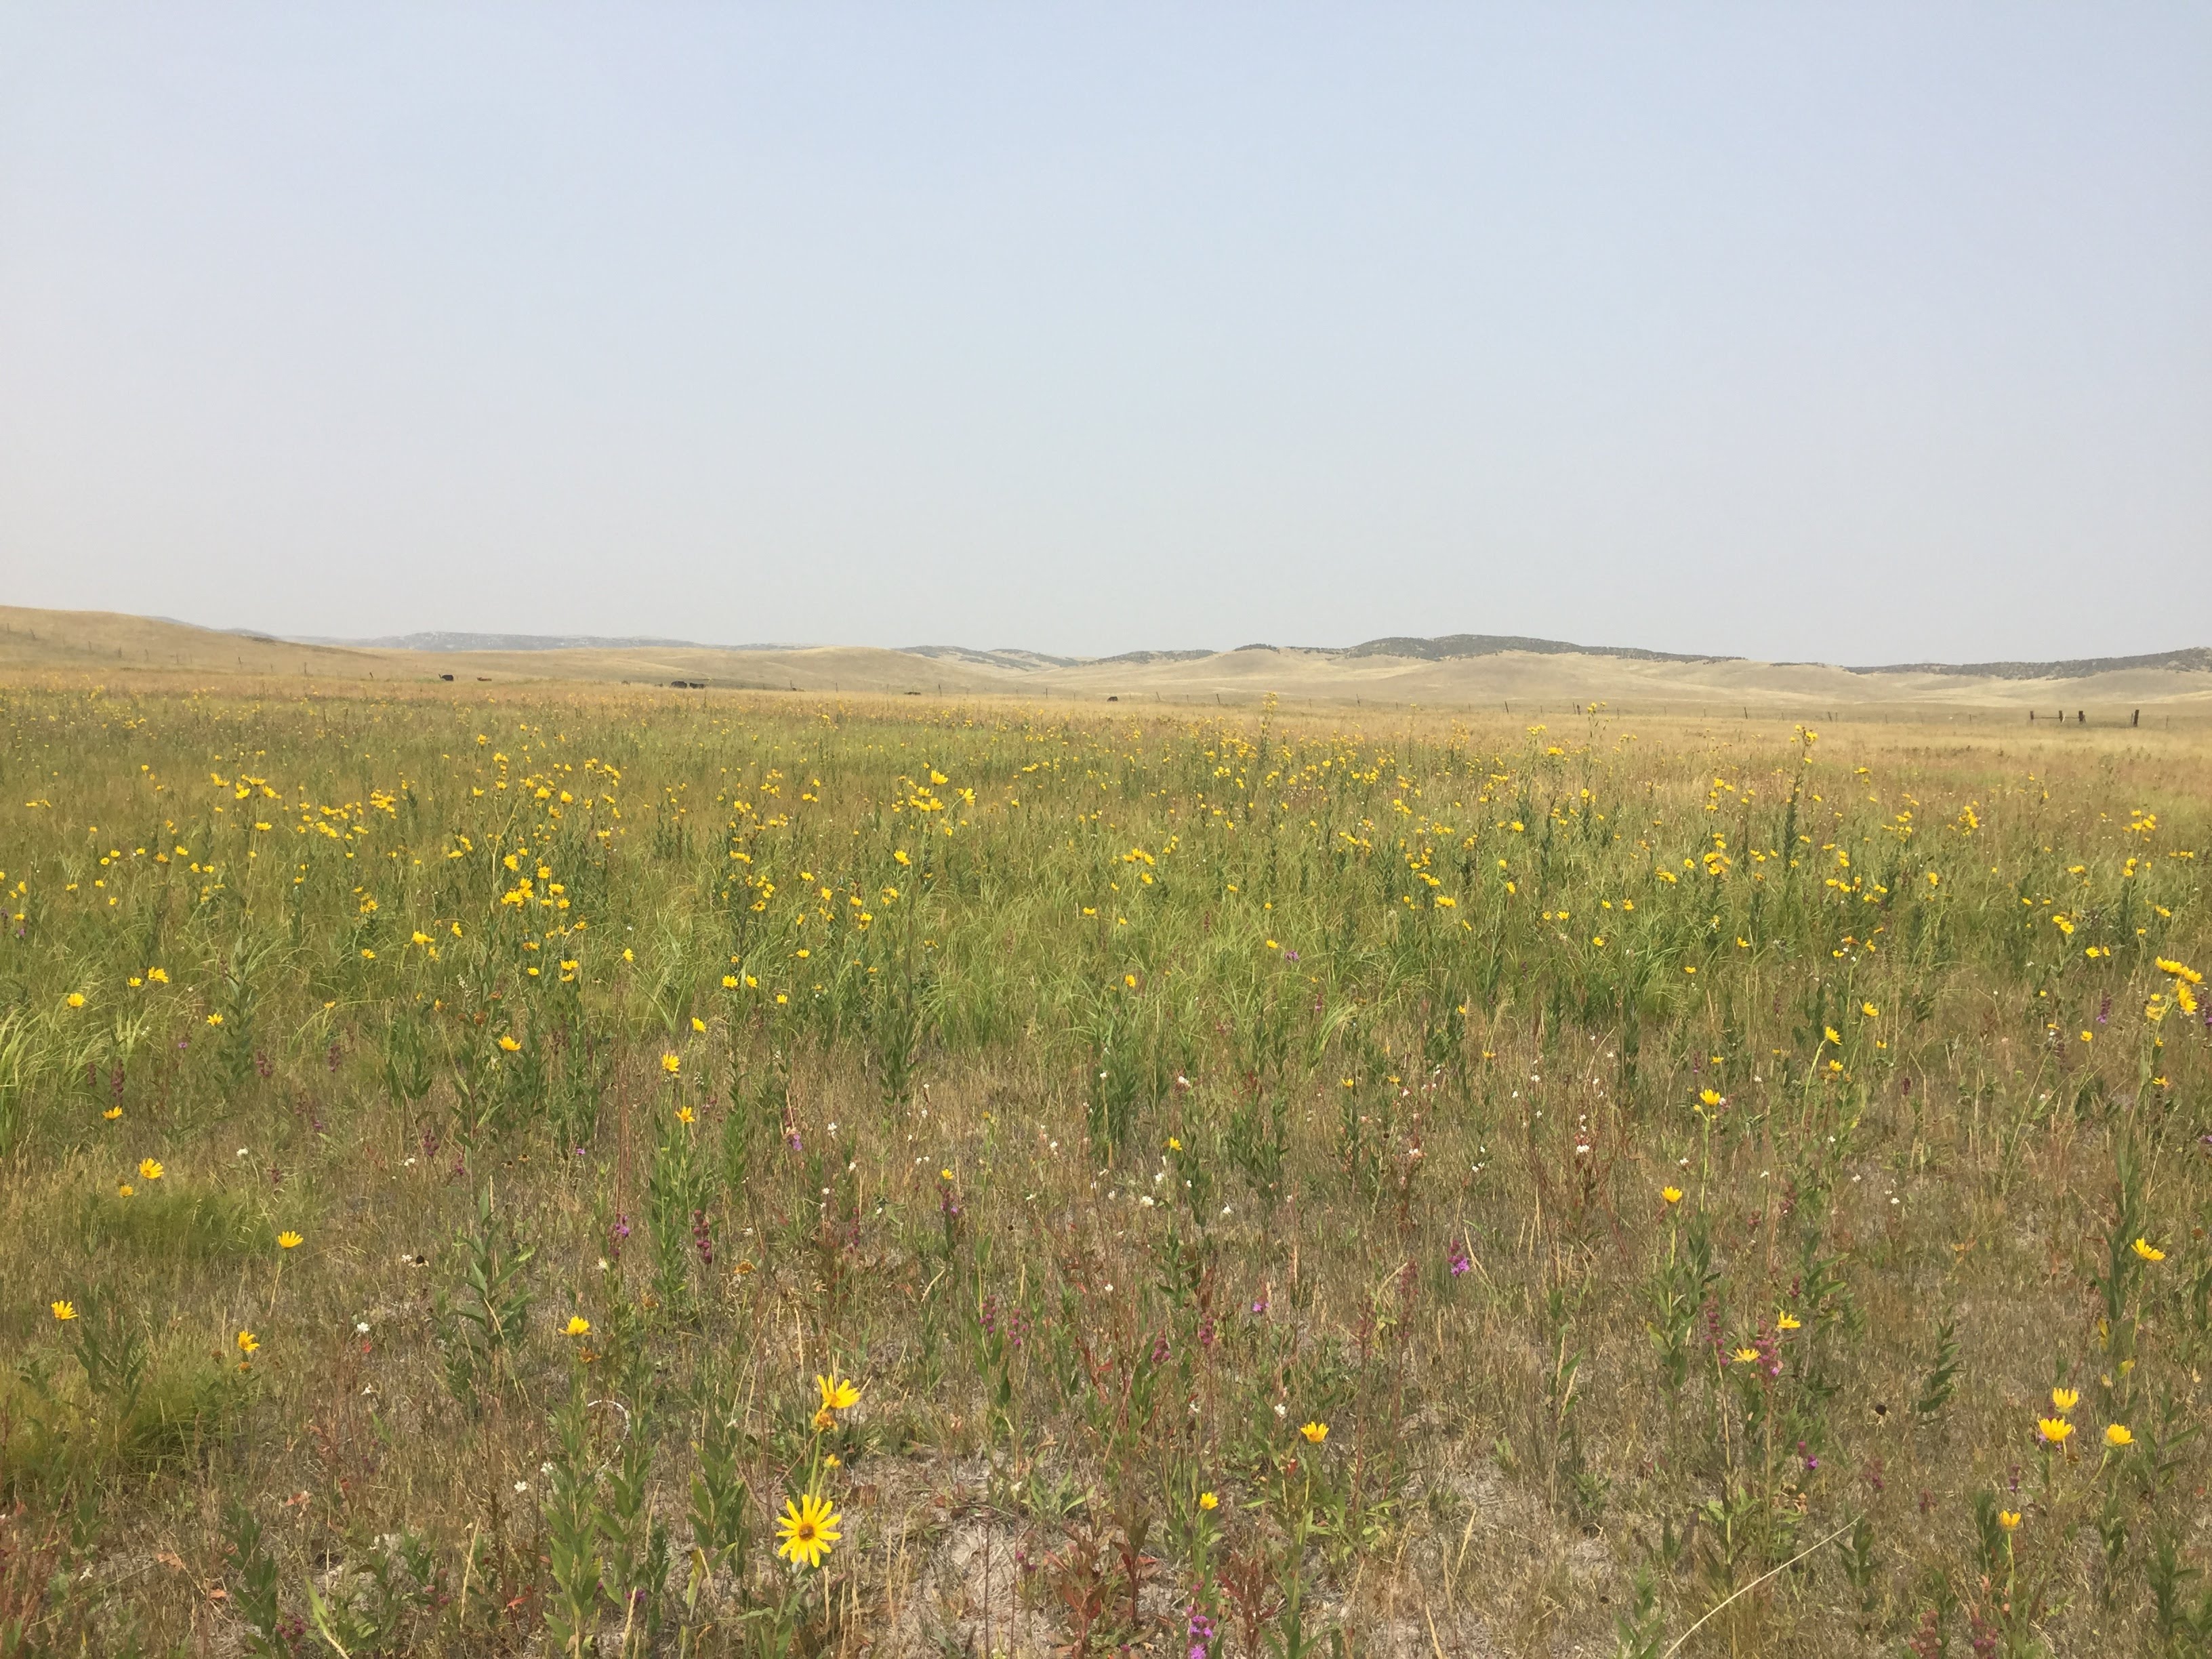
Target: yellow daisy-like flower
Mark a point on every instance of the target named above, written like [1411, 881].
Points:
[65, 1310]
[1671, 1195]
[1315, 1432]
[124, 1189]
[577, 1325]
[2054, 1430]
[1786, 1321]
[509, 1043]
[1709, 1097]
[2065, 1400]
[1206, 1500]
[113, 1113]
[1832, 1034]
[2116, 1434]
[1746, 1356]
[248, 1343]
[150, 1169]
[807, 1530]
[671, 1064]
[2009, 1519]
[289, 1241]
[2149, 1251]
[697, 1024]
[685, 1115]
[838, 1393]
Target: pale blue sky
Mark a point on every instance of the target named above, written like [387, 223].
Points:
[1855, 332]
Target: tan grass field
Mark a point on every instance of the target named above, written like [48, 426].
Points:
[1277, 1178]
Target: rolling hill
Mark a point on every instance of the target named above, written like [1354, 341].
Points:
[1470, 670]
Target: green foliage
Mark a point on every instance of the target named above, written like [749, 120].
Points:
[1941, 1376]
[481, 1314]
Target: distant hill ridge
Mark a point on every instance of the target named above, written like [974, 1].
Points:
[1439, 649]
[442, 642]
[1491, 645]
[2196, 659]
[1006, 657]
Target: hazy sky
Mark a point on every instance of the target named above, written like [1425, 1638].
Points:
[1856, 332]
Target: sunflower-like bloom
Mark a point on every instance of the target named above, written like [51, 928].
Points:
[807, 1530]
[838, 1393]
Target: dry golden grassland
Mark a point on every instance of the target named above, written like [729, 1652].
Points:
[566, 1171]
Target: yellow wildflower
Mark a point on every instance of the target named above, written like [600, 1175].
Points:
[806, 1529]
